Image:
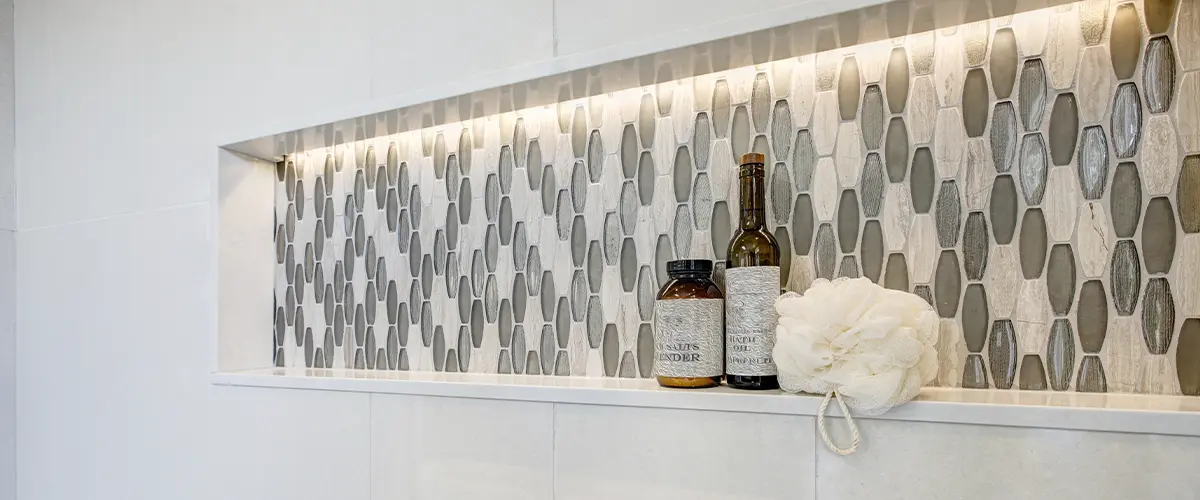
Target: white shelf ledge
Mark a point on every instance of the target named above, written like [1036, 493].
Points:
[1171, 415]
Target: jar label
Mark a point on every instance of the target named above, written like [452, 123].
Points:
[688, 337]
[750, 319]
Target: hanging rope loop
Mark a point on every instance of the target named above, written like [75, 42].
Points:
[856, 438]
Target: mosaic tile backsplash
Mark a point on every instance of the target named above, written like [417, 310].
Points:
[1035, 176]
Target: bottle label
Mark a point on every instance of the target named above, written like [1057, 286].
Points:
[750, 319]
[688, 337]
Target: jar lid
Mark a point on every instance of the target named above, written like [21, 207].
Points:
[750, 158]
[689, 266]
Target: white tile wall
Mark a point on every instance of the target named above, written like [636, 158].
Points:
[604, 452]
[908, 460]
[290, 445]
[457, 38]
[429, 448]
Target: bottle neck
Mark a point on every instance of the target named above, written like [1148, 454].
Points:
[753, 199]
[690, 276]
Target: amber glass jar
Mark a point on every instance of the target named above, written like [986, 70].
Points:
[689, 327]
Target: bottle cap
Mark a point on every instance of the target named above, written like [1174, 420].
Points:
[690, 266]
[750, 158]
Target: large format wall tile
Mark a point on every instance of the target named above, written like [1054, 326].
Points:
[433, 448]
[1020, 463]
[604, 452]
[1032, 177]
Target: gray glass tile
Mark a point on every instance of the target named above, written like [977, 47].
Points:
[803, 225]
[1064, 128]
[975, 317]
[740, 133]
[1158, 76]
[896, 149]
[1033, 374]
[629, 154]
[895, 274]
[1158, 236]
[826, 252]
[702, 201]
[975, 246]
[1031, 94]
[848, 268]
[1093, 162]
[760, 102]
[1126, 199]
[785, 254]
[924, 292]
[872, 185]
[1002, 353]
[848, 221]
[1126, 120]
[1060, 279]
[681, 233]
[645, 124]
[1125, 43]
[702, 140]
[922, 180]
[872, 251]
[804, 160]
[1033, 244]
[975, 102]
[948, 216]
[872, 118]
[781, 128]
[974, 374]
[1158, 316]
[722, 105]
[1187, 195]
[1060, 354]
[721, 230]
[849, 84]
[1091, 375]
[609, 351]
[1003, 63]
[1092, 316]
[682, 174]
[645, 350]
[1034, 168]
[1004, 136]
[947, 284]
[1003, 209]
[781, 193]
[1125, 276]
[897, 79]
[1187, 357]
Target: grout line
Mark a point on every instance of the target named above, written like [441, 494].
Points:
[553, 450]
[553, 28]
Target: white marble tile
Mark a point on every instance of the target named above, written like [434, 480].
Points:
[1094, 90]
[1061, 203]
[897, 216]
[950, 143]
[1093, 239]
[272, 444]
[849, 154]
[909, 460]
[1003, 279]
[825, 122]
[426, 447]
[1063, 47]
[922, 252]
[922, 110]
[1160, 156]
[1187, 110]
[604, 452]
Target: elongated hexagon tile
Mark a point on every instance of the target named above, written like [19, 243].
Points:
[1093, 239]
[1003, 279]
[1061, 203]
[1187, 109]
[975, 103]
[978, 176]
[1031, 94]
[922, 251]
[897, 80]
[1063, 43]
[1060, 279]
[1003, 136]
[1160, 156]
[1031, 316]
[825, 123]
[897, 217]
[1187, 281]
[1125, 44]
[1034, 166]
[1064, 128]
[1159, 235]
[896, 150]
[951, 351]
[1158, 75]
[1125, 277]
[1124, 354]
[1095, 84]
[848, 156]
[1126, 121]
[1003, 209]
[949, 142]
[949, 69]
[922, 110]
[1187, 355]
[1093, 162]
[1002, 353]
[825, 189]
[1003, 64]
[1060, 354]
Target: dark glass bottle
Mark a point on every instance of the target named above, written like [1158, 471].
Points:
[689, 327]
[751, 287]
